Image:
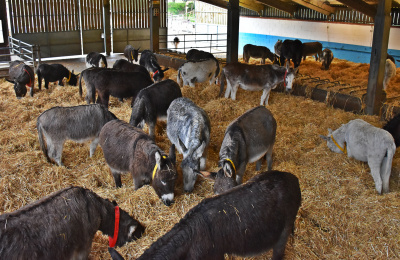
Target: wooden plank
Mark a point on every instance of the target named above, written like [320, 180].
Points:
[317, 6]
[378, 57]
[361, 6]
[289, 8]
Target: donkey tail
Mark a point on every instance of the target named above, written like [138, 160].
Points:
[80, 83]
[41, 140]
[222, 82]
[39, 75]
[386, 168]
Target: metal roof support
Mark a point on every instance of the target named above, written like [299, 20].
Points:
[154, 12]
[378, 57]
[233, 31]
[107, 27]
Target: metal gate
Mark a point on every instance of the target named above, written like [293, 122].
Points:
[75, 27]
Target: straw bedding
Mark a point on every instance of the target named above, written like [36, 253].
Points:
[341, 217]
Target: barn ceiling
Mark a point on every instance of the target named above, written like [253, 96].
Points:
[326, 7]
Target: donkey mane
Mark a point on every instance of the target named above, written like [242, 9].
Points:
[46, 200]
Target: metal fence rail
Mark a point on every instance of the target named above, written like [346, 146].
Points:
[213, 43]
[25, 51]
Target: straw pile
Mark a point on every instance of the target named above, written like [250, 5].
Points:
[341, 216]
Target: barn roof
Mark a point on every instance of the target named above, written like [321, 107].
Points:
[326, 7]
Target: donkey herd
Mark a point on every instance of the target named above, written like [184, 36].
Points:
[241, 219]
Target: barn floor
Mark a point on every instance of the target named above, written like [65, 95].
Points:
[341, 217]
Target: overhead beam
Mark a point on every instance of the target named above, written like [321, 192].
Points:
[316, 5]
[361, 6]
[378, 57]
[289, 8]
[249, 4]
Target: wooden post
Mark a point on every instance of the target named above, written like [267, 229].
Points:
[154, 7]
[233, 31]
[107, 27]
[378, 57]
[3, 18]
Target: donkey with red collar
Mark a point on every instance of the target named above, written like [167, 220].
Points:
[63, 225]
[149, 60]
[255, 77]
[21, 75]
[53, 73]
[247, 139]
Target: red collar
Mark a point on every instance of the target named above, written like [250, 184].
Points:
[155, 73]
[30, 80]
[112, 241]
[284, 78]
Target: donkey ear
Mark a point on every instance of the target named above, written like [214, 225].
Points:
[165, 69]
[227, 170]
[138, 49]
[114, 203]
[72, 71]
[182, 145]
[158, 158]
[172, 155]
[327, 138]
[287, 65]
[199, 151]
[10, 81]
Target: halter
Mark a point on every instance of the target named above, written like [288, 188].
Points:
[112, 241]
[132, 56]
[233, 165]
[155, 73]
[338, 146]
[284, 78]
[30, 80]
[69, 76]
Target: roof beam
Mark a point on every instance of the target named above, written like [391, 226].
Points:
[361, 6]
[289, 8]
[317, 5]
[243, 3]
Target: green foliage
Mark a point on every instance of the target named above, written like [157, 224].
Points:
[179, 8]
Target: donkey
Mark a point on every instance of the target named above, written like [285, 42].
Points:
[247, 139]
[188, 128]
[63, 225]
[129, 149]
[21, 75]
[152, 103]
[291, 50]
[256, 52]
[191, 72]
[277, 50]
[90, 89]
[124, 65]
[245, 221]
[326, 59]
[312, 49]
[131, 53]
[255, 77]
[116, 83]
[95, 59]
[195, 54]
[78, 123]
[55, 72]
[366, 143]
[393, 127]
[390, 72]
[176, 42]
[149, 60]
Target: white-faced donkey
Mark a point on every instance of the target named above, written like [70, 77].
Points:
[366, 143]
[63, 225]
[245, 221]
[79, 123]
[247, 139]
[129, 149]
[188, 128]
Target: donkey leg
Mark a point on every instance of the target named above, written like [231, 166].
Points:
[385, 174]
[228, 88]
[375, 166]
[93, 146]
[234, 91]
[152, 129]
[117, 177]
[265, 97]
[46, 84]
[258, 164]
[279, 247]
